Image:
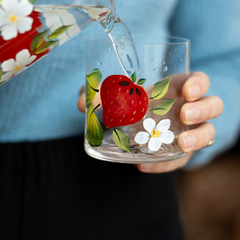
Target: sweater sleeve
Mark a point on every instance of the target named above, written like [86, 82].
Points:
[213, 28]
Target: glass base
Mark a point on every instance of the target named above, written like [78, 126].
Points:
[115, 154]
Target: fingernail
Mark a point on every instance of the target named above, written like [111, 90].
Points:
[192, 114]
[189, 140]
[194, 91]
[146, 166]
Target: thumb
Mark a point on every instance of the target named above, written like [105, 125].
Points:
[82, 100]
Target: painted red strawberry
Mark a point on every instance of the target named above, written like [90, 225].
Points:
[123, 102]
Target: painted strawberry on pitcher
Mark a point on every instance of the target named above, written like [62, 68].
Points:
[123, 101]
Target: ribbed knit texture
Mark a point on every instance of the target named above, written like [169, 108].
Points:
[214, 30]
[41, 103]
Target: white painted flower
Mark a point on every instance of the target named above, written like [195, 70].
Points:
[96, 13]
[12, 67]
[14, 18]
[56, 17]
[156, 135]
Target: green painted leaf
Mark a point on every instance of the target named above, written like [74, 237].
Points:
[163, 106]
[134, 77]
[1, 73]
[32, 1]
[141, 81]
[121, 140]
[160, 89]
[45, 46]
[93, 79]
[59, 31]
[38, 39]
[94, 128]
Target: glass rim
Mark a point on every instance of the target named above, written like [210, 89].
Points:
[173, 40]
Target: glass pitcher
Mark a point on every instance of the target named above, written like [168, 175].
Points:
[29, 32]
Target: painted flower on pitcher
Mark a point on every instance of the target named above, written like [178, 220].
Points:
[14, 18]
[12, 67]
[57, 17]
[156, 134]
[96, 13]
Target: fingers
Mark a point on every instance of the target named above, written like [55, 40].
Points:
[197, 138]
[188, 142]
[164, 166]
[199, 109]
[196, 86]
[82, 100]
[202, 110]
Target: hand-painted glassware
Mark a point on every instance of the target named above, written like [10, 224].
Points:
[29, 32]
[135, 118]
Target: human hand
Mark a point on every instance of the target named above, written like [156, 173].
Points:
[195, 113]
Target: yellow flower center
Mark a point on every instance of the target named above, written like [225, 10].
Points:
[17, 67]
[13, 18]
[155, 133]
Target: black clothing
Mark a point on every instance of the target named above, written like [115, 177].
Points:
[53, 190]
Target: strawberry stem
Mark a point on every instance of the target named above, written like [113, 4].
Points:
[141, 81]
[134, 76]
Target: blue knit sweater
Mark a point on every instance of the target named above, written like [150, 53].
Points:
[41, 102]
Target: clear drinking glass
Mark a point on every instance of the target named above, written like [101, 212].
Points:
[134, 116]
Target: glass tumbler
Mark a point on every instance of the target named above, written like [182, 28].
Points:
[133, 110]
